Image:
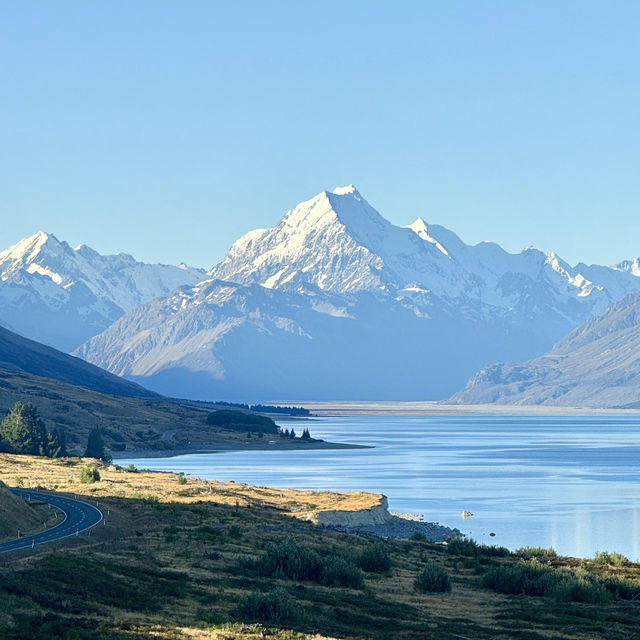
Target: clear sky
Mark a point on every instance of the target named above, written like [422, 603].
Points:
[167, 129]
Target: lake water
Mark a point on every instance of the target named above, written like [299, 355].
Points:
[570, 482]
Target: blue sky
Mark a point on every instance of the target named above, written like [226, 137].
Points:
[168, 129]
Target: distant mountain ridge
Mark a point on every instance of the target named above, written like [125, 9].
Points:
[21, 354]
[62, 296]
[596, 365]
[335, 302]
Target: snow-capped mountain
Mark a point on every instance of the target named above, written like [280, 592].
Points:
[596, 365]
[337, 302]
[62, 296]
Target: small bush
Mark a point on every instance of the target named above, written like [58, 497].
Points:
[418, 536]
[462, 547]
[131, 468]
[612, 558]
[621, 588]
[337, 572]
[276, 608]
[537, 552]
[290, 560]
[374, 558]
[182, 479]
[295, 561]
[89, 475]
[534, 579]
[433, 579]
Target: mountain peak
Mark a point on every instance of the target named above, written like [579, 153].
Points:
[346, 190]
[28, 248]
[419, 227]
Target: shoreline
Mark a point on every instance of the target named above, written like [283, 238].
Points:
[222, 447]
[434, 407]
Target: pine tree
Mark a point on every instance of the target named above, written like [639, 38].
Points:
[23, 431]
[292, 434]
[306, 435]
[95, 446]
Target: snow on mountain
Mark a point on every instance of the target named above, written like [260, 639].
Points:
[62, 296]
[596, 365]
[337, 302]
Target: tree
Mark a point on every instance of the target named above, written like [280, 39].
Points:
[292, 434]
[23, 431]
[95, 446]
[306, 435]
[56, 444]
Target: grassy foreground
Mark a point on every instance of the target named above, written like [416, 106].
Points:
[182, 558]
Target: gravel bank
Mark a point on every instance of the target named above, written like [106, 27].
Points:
[398, 527]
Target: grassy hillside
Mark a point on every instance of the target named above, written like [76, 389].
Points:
[21, 354]
[16, 514]
[183, 558]
[135, 423]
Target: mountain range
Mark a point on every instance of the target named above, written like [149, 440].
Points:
[596, 365]
[336, 302]
[62, 296]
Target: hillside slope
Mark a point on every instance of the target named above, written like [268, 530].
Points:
[596, 365]
[15, 514]
[22, 354]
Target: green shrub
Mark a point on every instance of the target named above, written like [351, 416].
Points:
[375, 557]
[433, 579]
[611, 558]
[295, 561]
[337, 572]
[276, 608]
[89, 475]
[621, 588]
[182, 479]
[534, 579]
[418, 536]
[291, 560]
[537, 552]
[462, 546]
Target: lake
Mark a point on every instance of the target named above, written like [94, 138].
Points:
[570, 482]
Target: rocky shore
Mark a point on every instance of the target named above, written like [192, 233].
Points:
[399, 527]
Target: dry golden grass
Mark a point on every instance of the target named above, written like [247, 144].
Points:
[224, 632]
[62, 474]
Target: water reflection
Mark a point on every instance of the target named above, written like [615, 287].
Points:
[571, 482]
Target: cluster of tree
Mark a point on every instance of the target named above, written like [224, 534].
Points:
[239, 421]
[290, 433]
[267, 408]
[23, 431]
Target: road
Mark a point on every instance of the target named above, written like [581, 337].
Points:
[77, 517]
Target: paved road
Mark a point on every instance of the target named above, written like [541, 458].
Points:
[77, 516]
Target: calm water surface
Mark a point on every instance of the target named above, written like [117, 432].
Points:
[571, 482]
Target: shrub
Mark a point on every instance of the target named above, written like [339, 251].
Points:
[375, 557]
[418, 536]
[612, 558]
[462, 546]
[89, 475]
[433, 579]
[533, 579]
[182, 479]
[276, 608]
[337, 572]
[537, 552]
[290, 560]
[295, 561]
[621, 588]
